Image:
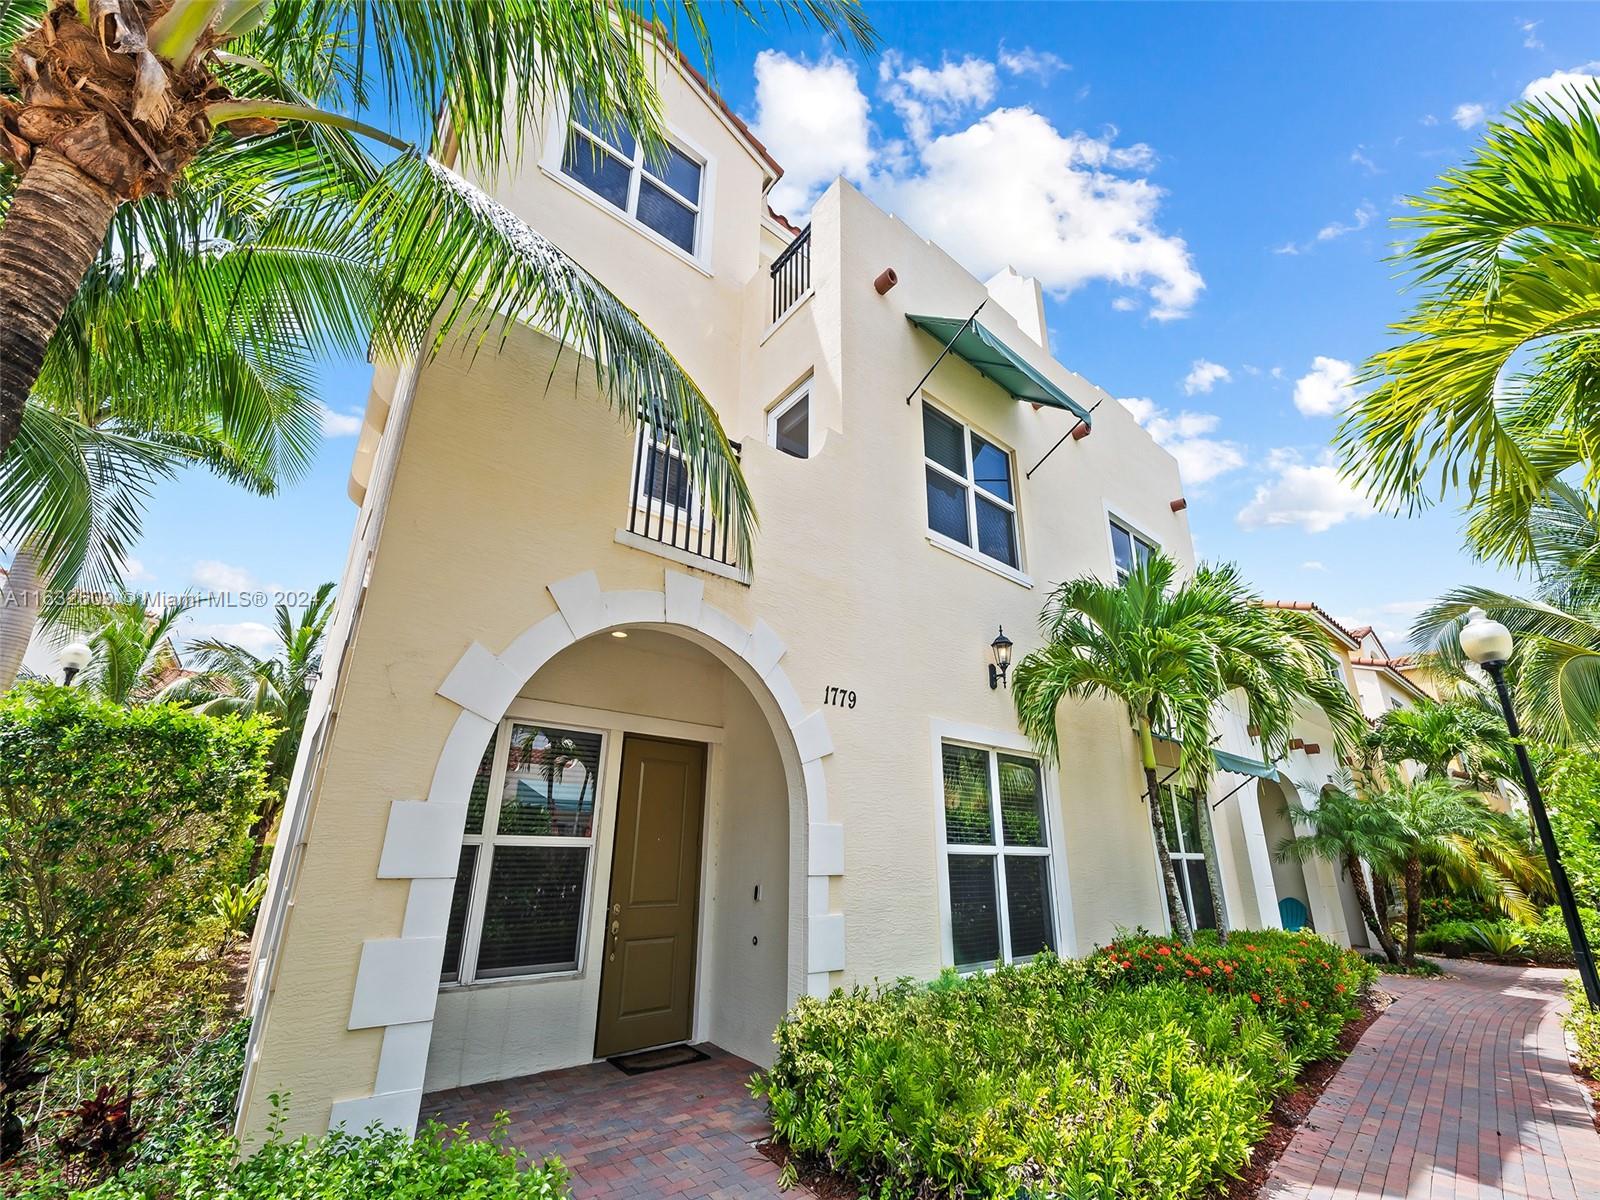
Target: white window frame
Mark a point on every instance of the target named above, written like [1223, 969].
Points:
[1137, 537]
[637, 167]
[970, 485]
[1170, 821]
[648, 504]
[801, 392]
[486, 841]
[1060, 914]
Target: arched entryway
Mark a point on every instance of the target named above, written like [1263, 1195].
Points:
[1288, 875]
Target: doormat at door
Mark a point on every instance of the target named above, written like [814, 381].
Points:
[660, 1059]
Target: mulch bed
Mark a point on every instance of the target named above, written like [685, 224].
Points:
[1287, 1115]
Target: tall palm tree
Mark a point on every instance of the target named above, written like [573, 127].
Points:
[98, 436]
[131, 126]
[132, 656]
[1442, 735]
[228, 678]
[1169, 653]
[1347, 828]
[1493, 385]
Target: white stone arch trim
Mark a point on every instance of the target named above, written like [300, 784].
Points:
[397, 979]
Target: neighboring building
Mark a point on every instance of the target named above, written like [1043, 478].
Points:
[577, 781]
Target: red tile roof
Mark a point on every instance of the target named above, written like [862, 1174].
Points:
[1307, 606]
[727, 111]
[784, 221]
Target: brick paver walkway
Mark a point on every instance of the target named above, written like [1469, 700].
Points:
[1461, 1091]
[683, 1132]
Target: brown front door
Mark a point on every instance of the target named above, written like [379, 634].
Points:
[647, 981]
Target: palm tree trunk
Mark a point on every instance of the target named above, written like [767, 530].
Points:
[1369, 912]
[1208, 847]
[55, 227]
[1413, 908]
[19, 611]
[1169, 877]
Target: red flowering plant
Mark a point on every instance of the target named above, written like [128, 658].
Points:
[1305, 984]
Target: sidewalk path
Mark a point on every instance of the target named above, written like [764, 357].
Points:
[1461, 1091]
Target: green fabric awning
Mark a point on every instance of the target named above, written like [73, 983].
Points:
[993, 358]
[1238, 765]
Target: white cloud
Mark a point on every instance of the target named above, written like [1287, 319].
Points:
[1530, 34]
[813, 118]
[339, 424]
[1125, 304]
[1555, 88]
[217, 576]
[1468, 115]
[255, 637]
[1359, 220]
[1326, 389]
[925, 97]
[1200, 458]
[1204, 375]
[133, 571]
[1311, 496]
[1359, 157]
[1039, 63]
[1312, 565]
[1012, 190]
[1430, 119]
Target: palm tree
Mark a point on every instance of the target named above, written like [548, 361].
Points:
[133, 659]
[1348, 828]
[1493, 385]
[1443, 735]
[1169, 654]
[97, 435]
[230, 679]
[130, 127]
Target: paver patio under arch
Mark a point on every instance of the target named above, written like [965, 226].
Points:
[1462, 1089]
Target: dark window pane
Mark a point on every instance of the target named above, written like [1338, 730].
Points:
[947, 507]
[666, 479]
[531, 913]
[968, 817]
[1142, 551]
[478, 797]
[598, 170]
[1187, 821]
[550, 783]
[991, 469]
[997, 532]
[974, 915]
[1202, 911]
[456, 929]
[1021, 801]
[583, 113]
[680, 173]
[941, 441]
[1122, 548]
[666, 215]
[1028, 904]
[793, 428]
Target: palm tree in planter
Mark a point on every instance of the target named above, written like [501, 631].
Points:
[1169, 653]
[128, 127]
[1348, 828]
[230, 679]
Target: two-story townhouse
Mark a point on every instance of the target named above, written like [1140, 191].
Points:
[578, 782]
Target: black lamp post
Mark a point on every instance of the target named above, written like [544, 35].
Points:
[74, 658]
[1488, 643]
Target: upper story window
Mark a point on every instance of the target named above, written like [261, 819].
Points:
[1129, 549]
[662, 196]
[996, 860]
[789, 422]
[1183, 812]
[971, 499]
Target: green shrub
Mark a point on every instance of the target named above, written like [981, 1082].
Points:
[1583, 1023]
[1502, 939]
[1548, 942]
[1454, 938]
[438, 1164]
[1089, 1078]
[1465, 909]
[1573, 798]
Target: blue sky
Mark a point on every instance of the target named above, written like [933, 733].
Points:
[1206, 191]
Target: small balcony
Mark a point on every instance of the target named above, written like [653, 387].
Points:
[791, 274]
[669, 513]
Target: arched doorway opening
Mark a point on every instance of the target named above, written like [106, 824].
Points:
[1288, 875]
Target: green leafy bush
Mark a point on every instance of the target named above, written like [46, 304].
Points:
[1583, 1023]
[1501, 939]
[1104, 1077]
[1548, 943]
[1573, 800]
[1447, 937]
[438, 1164]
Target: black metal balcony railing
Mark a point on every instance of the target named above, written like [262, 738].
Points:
[670, 507]
[791, 274]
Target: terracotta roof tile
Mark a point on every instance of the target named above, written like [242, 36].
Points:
[1307, 606]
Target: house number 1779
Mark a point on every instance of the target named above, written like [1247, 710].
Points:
[839, 697]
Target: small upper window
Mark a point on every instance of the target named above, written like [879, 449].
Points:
[970, 494]
[662, 196]
[1129, 550]
[789, 422]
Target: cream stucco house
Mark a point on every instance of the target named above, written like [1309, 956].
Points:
[578, 781]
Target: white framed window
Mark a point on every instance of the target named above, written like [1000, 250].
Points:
[789, 422]
[1129, 549]
[527, 856]
[664, 197]
[1183, 811]
[971, 497]
[995, 863]
[660, 485]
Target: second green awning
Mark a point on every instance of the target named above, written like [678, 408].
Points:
[993, 358]
[1239, 765]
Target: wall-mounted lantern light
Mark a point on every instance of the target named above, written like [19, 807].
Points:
[1001, 647]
